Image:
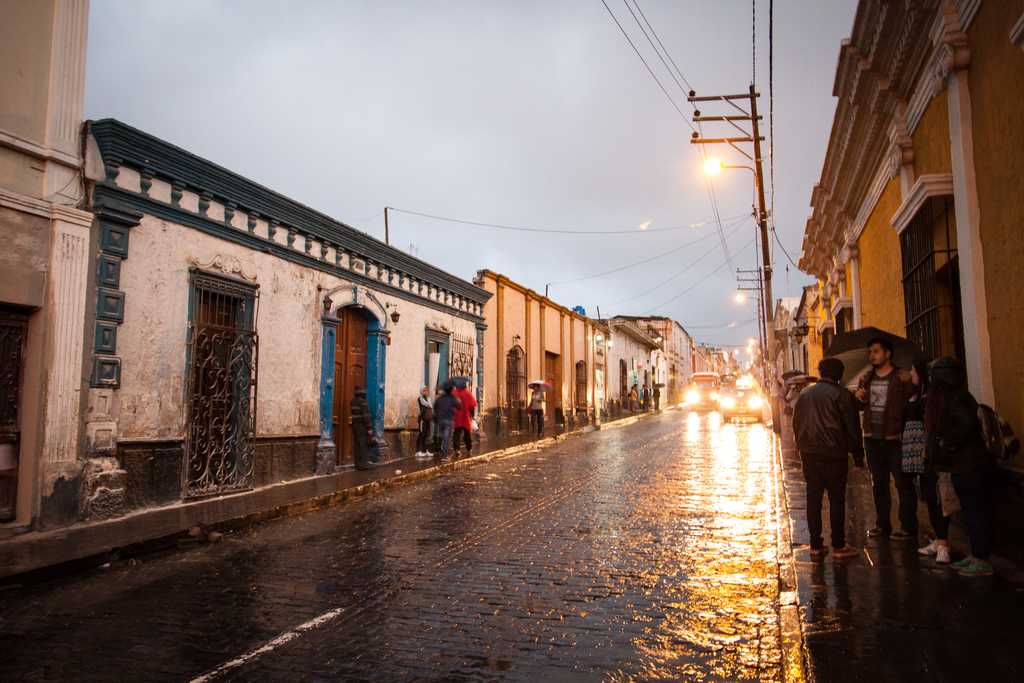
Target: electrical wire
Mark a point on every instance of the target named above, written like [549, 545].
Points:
[696, 284]
[685, 270]
[637, 263]
[718, 327]
[520, 228]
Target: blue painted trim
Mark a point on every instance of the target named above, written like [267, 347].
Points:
[108, 271]
[105, 338]
[329, 332]
[480, 363]
[376, 374]
[106, 372]
[109, 305]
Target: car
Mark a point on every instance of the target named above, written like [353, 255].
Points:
[702, 393]
[742, 401]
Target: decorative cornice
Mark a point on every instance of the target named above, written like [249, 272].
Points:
[121, 144]
[34, 149]
[930, 185]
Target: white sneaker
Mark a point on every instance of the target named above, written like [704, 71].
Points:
[942, 554]
[931, 549]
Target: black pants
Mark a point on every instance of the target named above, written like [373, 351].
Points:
[930, 492]
[360, 444]
[657, 402]
[464, 433]
[974, 489]
[424, 436]
[537, 422]
[826, 473]
[885, 459]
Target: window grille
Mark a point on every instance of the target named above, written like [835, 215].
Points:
[931, 280]
[515, 377]
[460, 363]
[221, 395]
[623, 380]
[13, 333]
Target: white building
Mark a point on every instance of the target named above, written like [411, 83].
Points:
[634, 358]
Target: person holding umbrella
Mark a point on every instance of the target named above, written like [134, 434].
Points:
[537, 389]
[882, 394]
[657, 397]
[445, 409]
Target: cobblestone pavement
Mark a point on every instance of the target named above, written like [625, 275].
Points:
[641, 552]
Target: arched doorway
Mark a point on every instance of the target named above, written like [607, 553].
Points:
[350, 374]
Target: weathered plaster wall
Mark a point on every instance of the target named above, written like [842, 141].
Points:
[24, 260]
[881, 285]
[26, 34]
[152, 340]
[495, 381]
[931, 138]
[996, 75]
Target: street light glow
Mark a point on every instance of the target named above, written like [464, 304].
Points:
[739, 298]
[712, 166]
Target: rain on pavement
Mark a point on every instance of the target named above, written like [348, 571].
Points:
[644, 551]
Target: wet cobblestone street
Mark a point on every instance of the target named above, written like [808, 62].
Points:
[644, 551]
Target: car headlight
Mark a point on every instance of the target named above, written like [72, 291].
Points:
[692, 396]
[714, 396]
[728, 402]
[755, 402]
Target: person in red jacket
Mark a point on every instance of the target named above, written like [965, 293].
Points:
[464, 417]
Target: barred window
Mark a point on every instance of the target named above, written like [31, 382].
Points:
[581, 384]
[515, 377]
[623, 380]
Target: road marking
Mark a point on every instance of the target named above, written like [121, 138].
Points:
[269, 646]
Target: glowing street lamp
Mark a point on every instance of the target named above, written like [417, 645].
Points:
[740, 297]
[712, 166]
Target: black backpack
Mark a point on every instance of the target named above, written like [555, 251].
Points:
[1001, 442]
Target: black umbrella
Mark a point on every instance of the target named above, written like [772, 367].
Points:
[852, 348]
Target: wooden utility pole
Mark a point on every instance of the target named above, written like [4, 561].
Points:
[387, 231]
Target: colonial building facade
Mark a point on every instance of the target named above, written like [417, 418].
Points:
[678, 347]
[635, 359]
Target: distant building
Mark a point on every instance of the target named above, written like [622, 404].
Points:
[678, 347]
[635, 359]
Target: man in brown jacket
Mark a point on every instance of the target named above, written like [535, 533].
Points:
[882, 394]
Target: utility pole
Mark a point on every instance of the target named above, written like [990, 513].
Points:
[751, 281]
[387, 231]
[753, 136]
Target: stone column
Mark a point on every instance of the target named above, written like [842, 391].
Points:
[326, 454]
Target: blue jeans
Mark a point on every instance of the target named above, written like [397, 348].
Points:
[974, 489]
[445, 428]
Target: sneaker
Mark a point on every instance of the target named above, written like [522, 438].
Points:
[942, 554]
[844, 552]
[930, 549]
[877, 532]
[977, 568]
[901, 535]
[818, 553]
[960, 564]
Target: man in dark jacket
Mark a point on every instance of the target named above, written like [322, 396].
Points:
[359, 409]
[882, 395]
[826, 427]
[445, 409]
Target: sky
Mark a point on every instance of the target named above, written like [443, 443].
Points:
[526, 114]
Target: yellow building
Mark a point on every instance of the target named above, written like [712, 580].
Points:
[916, 220]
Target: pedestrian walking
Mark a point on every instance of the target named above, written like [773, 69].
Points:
[827, 428]
[915, 463]
[362, 429]
[537, 410]
[646, 399]
[633, 399]
[882, 395]
[424, 422]
[445, 409]
[464, 418]
[657, 397]
[955, 444]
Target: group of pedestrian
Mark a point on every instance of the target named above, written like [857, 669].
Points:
[920, 423]
[644, 399]
[446, 422]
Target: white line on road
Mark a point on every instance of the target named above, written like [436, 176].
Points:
[269, 646]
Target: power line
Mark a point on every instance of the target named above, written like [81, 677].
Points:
[667, 54]
[783, 247]
[635, 263]
[704, 279]
[520, 228]
[753, 41]
[685, 270]
[649, 69]
[718, 327]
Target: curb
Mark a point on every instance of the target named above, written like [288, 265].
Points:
[794, 650]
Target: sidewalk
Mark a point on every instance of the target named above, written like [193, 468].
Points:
[151, 528]
[890, 615]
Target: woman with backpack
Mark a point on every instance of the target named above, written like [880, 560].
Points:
[916, 464]
[955, 444]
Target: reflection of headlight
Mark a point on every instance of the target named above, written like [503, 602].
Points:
[755, 401]
[728, 402]
[714, 395]
[692, 396]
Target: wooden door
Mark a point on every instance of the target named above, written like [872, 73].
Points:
[553, 376]
[349, 375]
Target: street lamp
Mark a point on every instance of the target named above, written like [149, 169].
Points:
[740, 298]
[712, 166]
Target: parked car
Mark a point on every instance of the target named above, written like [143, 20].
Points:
[702, 393]
[743, 400]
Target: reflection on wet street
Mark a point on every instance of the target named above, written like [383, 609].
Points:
[646, 551]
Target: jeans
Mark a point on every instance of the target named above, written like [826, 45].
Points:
[826, 474]
[974, 489]
[445, 428]
[885, 459]
[929, 481]
[424, 436]
[537, 421]
[462, 432]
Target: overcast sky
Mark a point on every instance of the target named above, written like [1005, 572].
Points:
[519, 113]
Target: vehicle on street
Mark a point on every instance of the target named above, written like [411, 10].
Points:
[743, 400]
[702, 393]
